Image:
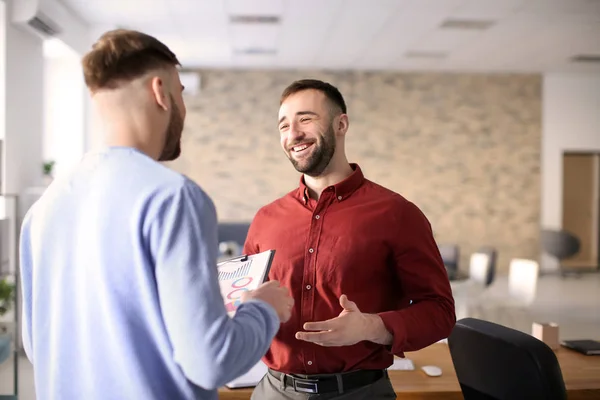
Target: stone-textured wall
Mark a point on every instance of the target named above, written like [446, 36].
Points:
[463, 147]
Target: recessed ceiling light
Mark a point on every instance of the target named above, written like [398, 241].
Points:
[425, 54]
[254, 19]
[254, 51]
[589, 58]
[466, 24]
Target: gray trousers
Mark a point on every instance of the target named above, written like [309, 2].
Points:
[269, 388]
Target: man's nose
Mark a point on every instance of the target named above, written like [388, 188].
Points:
[294, 132]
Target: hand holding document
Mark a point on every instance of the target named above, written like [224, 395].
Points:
[243, 278]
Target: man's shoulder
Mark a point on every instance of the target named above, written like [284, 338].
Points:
[393, 203]
[278, 205]
[387, 195]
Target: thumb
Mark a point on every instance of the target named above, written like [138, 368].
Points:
[347, 304]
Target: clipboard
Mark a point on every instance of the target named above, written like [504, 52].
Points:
[584, 346]
[239, 274]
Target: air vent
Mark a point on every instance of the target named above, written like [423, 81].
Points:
[42, 26]
[256, 51]
[425, 55]
[470, 24]
[587, 58]
[254, 19]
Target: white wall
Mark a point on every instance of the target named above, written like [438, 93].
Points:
[571, 121]
[24, 83]
[65, 121]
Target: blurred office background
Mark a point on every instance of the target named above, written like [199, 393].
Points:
[485, 113]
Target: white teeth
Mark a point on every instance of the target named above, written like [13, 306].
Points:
[300, 148]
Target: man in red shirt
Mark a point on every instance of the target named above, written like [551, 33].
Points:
[365, 272]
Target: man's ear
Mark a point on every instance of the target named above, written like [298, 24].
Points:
[342, 124]
[159, 91]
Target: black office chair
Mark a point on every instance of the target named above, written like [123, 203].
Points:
[233, 231]
[493, 255]
[450, 256]
[562, 245]
[493, 362]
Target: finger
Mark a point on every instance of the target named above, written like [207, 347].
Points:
[323, 338]
[347, 304]
[321, 325]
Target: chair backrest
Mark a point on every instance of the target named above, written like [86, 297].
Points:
[522, 279]
[233, 232]
[479, 266]
[560, 243]
[450, 255]
[500, 363]
[493, 255]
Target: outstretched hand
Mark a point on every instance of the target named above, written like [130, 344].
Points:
[348, 328]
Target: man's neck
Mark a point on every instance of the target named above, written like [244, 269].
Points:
[331, 176]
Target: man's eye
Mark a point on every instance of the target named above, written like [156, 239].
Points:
[282, 127]
[304, 119]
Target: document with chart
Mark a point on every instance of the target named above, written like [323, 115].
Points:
[241, 274]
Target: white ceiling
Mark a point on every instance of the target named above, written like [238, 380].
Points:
[526, 35]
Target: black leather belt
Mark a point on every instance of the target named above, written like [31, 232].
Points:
[338, 383]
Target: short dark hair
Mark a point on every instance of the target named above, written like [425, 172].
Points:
[122, 55]
[330, 91]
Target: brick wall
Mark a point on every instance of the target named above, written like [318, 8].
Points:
[463, 147]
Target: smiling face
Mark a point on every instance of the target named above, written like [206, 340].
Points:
[306, 131]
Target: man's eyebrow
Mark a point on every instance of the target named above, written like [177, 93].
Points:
[299, 113]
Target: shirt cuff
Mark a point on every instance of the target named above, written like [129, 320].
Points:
[393, 322]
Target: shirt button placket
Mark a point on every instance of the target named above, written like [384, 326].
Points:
[309, 277]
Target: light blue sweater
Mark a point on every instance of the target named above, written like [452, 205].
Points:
[120, 291]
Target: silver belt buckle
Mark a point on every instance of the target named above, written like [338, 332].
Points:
[305, 385]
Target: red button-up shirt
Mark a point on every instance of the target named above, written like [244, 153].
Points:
[362, 240]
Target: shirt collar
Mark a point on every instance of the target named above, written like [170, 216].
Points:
[342, 189]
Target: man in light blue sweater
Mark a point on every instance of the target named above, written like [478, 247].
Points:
[118, 258]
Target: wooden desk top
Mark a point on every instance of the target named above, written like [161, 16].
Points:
[580, 373]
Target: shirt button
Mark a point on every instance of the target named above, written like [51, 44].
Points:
[317, 217]
[339, 197]
[310, 250]
[309, 363]
[308, 287]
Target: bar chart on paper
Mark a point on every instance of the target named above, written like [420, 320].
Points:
[238, 271]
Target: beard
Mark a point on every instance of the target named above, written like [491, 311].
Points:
[172, 148]
[320, 157]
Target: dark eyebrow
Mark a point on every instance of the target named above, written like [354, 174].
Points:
[300, 113]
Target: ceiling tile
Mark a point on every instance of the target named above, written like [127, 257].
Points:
[590, 7]
[397, 37]
[437, 6]
[120, 12]
[444, 40]
[254, 7]
[353, 29]
[249, 36]
[486, 9]
[303, 32]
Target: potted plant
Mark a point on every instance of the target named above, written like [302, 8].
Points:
[48, 167]
[7, 291]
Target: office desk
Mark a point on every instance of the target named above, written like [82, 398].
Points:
[581, 374]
